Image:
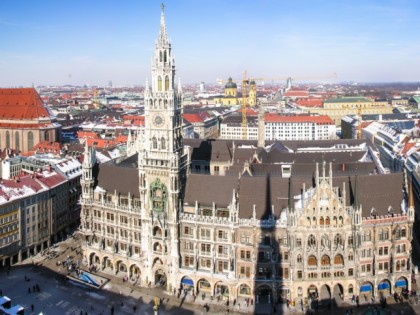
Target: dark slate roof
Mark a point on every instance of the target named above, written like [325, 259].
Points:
[262, 191]
[206, 189]
[381, 192]
[122, 177]
[220, 152]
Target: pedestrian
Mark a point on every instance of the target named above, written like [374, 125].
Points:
[1, 292]
[37, 287]
[134, 308]
[29, 290]
[32, 307]
[112, 310]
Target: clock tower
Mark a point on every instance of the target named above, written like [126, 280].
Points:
[163, 165]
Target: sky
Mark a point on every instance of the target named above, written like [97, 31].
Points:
[93, 42]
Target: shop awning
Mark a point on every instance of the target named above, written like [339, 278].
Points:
[383, 286]
[366, 288]
[401, 283]
[187, 281]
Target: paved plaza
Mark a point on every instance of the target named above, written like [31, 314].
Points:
[58, 295]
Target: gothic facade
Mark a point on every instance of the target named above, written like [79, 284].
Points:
[289, 220]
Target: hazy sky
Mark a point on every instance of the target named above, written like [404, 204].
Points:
[93, 42]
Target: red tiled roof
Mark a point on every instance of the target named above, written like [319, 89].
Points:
[51, 181]
[319, 120]
[195, 118]
[44, 147]
[136, 120]
[22, 180]
[87, 134]
[296, 93]
[407, 147]
[310, 102]
[121, 138]
[23, 103]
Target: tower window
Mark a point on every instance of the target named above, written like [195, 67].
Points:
[17, 142]
[154, 142]
[159, 84]
[166, 83]
[30, 140]
[162, 143]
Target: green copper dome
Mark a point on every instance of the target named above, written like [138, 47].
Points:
[230, 84]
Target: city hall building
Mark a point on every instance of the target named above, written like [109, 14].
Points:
[244, 220]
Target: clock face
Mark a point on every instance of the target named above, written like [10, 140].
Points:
[158, 120]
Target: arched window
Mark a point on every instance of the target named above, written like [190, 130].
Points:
[312, 261]
[30, 140]
[321, 221]
[350, 257]
[159, 84]
[160, 56]
[311, 240]
[7, 139]
[299, 258]
[403, 232]
[340, 220]
[327, 221]
[162, 143]
[17, 141]
[165, 57]
[386, 234]
[325, 260]
[338, 260]
[166, 83]
[154, 142]
[47, 135]
[398, 265]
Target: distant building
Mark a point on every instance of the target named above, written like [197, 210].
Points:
[202, 87]
[232, 97]
[205, 125]
[415, 101]
[25, 120]
[339, 107]
[280, 127]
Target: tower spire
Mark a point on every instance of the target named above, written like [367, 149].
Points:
[162, 34]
